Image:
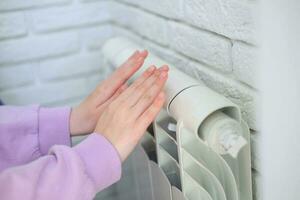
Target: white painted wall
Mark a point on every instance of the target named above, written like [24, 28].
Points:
[279, 144]
[50, 50]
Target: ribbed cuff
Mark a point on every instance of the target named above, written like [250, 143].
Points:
[53, 128]
[101, 159]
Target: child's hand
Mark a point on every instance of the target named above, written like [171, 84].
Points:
[126, 119]
[84, 117]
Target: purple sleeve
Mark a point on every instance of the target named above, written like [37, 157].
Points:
[66, 173]
[27, 133]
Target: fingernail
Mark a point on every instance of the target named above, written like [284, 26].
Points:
[165, 67]
[163, 75]
[144, 51]
[140, 59]
[151, 68]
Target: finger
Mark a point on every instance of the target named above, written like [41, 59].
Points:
[115, 95]
[138, 88]
[134, 54]
[133, 64]
[164, 68]
[118, 92]
[133, 61]
[122, 74]
[144, 53]
[149, 95]
[139, 91]
[146, 75]
[149, 115]
[131, 89]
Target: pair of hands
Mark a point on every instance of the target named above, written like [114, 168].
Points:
[119, 112]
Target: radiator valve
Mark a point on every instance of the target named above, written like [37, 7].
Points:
[223, 134]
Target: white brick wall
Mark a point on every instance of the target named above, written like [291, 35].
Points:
[38, 47]
[12, 25]
[143, 23]
[63, 17]
[15, 76]
[244, 58]
[231, 18]
[202, 46]
[11, 5]
[50, 49]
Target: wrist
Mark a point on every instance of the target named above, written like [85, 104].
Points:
[75, 122]
[82, 121]
[119, 146]
[72, 122]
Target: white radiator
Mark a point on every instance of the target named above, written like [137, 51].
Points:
[197, 148]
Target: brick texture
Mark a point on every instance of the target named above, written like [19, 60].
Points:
[12, 25]
[15, 76]
[167, 8]
[94, 37]
[202, 46]
[232, 18]
[67, 17]
[50, 50]
[143, 23]
[46, 93]
[71, 66]
[21, 50]
[9, 5]
[244, 58]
